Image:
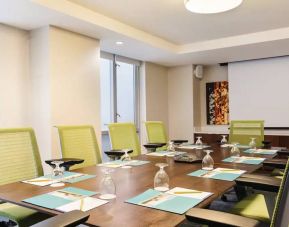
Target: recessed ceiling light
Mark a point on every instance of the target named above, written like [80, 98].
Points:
[119, 43]
[211, 6]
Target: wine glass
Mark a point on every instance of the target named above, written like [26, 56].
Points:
[235, 150]
[57, 170]
[252, 143]
[208, 162]
[171, 146]
[107, 186]
[224, 139]
[126, 156]
[199, 142]
[161, 180]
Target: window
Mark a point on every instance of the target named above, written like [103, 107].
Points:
[119, 83]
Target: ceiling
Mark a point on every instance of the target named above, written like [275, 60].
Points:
[163, 31]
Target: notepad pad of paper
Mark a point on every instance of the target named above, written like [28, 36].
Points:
[177, 200]
[166, 153]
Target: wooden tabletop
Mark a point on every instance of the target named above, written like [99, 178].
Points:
[131, 182]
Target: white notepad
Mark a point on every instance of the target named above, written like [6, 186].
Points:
[84, 204]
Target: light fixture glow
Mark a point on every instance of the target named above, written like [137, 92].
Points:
[119, 43]
[211, 6]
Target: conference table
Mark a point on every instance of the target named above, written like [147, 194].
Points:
[130, 183]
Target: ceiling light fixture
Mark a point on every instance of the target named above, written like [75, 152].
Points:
[119, 43]
[211, 6]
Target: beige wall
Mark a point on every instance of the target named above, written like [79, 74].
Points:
[180, 99]
[14, 74]
[212, 73]
[49, 77]
[154, 95]
[75, 85]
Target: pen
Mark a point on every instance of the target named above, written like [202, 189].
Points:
[187, 192]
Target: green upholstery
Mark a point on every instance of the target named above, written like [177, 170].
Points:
[124, 136]
[156, 132]
[19, 160]
[242, 131]
[79, 142]
[253, 206]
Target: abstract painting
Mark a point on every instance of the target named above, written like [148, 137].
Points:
[217, 103]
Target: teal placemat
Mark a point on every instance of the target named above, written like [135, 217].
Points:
[261, 151]
[59, 198]
[70, 174]
[215, 175]
[250, 161]
[162, 201]
[47, 201]
[130, 163]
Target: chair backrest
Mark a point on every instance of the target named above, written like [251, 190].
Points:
[79, 142]
[124, 136]
[241, 131]
[19, 155]
[156, 132]
[280, 216]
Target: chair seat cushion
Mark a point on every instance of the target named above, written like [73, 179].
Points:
[21, 215]
[277, 172]
[253, 206]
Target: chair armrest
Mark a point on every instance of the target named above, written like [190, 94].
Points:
[275, 163]
[179, 141]
[283, 152]
[72, 218]
[117, 152]
[67, 162]
[259, 182]
[217, 218]
[154, 145]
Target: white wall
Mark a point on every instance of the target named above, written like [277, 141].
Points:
[14, 77]
[180, 100]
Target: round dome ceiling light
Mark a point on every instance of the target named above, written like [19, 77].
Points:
[211, 6]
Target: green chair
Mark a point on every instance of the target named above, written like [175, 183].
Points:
[19, 161]
[241, 131]
[253, 209]
[124, 136]
[79, 142]
[156, 132]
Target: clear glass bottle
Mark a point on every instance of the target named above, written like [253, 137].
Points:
[161, 180]
[235, 150]
[208, 161]
[107, 186]
[253, 143]
[57, 170]
[224, 140]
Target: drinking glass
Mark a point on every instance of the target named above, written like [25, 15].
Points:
[199, 142]
[107, 186]
[171, 146]
[57, 170]
[208, 162]
[224, 139]
[252, 143]
[161, 180]
[126, 156]
[235, 150]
